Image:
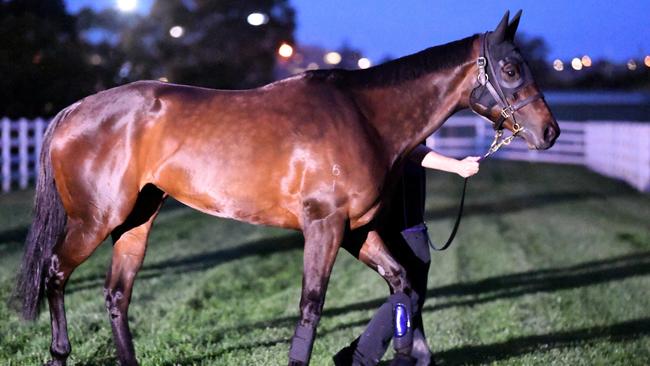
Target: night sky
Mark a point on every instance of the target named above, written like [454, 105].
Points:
[616, 30]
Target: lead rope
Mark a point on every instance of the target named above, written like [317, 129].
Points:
[494, 147]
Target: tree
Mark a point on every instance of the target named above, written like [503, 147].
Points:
[40, 63]
[214, 46]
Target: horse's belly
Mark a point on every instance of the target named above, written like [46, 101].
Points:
[242, 195]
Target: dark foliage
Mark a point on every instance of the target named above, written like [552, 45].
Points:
[40, 63]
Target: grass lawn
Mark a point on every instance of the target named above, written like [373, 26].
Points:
[551, 267]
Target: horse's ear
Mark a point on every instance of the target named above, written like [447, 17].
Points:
[499, 34]
[512, 27]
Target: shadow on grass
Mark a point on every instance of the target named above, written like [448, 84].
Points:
[481, 354]
[491, 289]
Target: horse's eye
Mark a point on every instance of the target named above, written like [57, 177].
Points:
[511, 71]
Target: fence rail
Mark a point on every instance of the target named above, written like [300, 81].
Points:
[619, 150]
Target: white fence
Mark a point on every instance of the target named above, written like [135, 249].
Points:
[616, 149]
[20, 146]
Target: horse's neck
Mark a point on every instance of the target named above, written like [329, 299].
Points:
[406, 113]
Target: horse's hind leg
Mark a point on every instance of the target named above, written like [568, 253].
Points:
[128, 254]
[80, 241]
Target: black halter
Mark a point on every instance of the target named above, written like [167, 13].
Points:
[486, 73]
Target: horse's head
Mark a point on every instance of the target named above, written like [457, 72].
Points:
[506, 93]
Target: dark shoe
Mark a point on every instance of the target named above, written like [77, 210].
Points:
[344, 356]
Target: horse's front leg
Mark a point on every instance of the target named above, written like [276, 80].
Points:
[322, 241]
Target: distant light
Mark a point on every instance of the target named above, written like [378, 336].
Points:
[256, 19]
[364, 63]
[176, 31]
[297, 70]
[125, 69]
[646, 61]
[586, 61]
[163, 79]
[38, 57]
[95, 59]
[576, 63]
[312, 66]
[127, 5]
[558, 65]
[631, 65]
[332, 58]
[285, 50]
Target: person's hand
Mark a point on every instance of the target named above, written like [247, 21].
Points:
[468, 166]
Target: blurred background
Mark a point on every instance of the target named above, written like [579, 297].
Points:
[55, 52]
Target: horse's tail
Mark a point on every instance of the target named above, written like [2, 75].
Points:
[48, 225]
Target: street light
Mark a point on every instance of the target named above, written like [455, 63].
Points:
[127, 5]
[332, 58]
[364, 63]
[576, 63]
[285, 50]
[257, 19]
[176, 31]
[631, 65]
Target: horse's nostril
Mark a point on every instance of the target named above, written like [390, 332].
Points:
[549, 134]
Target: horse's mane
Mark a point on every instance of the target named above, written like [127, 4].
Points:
[402, 69]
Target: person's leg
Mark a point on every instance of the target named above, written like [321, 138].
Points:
[369, 348]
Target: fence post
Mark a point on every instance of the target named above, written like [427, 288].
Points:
[23, 156]
[39, 130]
[5, 146]
[479, 138]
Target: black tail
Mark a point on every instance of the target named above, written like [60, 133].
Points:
[48, 225]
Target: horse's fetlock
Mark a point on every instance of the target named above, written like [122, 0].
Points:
[60, 350]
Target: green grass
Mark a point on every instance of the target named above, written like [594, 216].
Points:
[551, 267]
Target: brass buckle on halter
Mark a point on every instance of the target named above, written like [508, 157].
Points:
[481, 62]
[507, 111]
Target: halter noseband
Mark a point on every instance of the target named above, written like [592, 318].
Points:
[485, 66]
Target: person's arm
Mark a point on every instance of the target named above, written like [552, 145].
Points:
[433, 160]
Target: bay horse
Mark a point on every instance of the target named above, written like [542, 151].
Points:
[318, 152]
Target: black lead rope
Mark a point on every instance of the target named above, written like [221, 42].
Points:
[457, 223]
